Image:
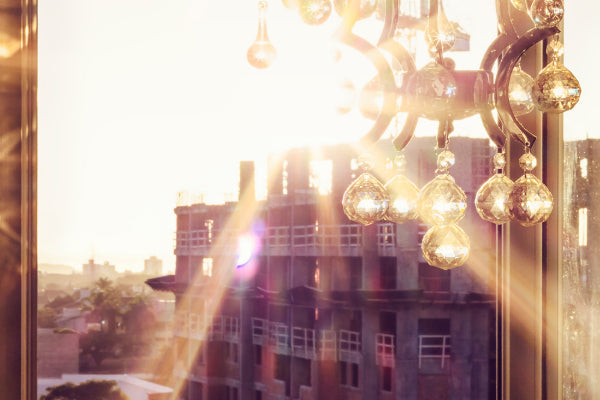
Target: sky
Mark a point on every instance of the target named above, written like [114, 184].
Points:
[141, 99]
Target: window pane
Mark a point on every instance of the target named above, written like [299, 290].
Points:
[581, 215]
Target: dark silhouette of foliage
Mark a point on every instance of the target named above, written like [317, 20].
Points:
[88, 390]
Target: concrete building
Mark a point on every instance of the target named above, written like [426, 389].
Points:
[153, 266]
[96, 271]
[321, 307]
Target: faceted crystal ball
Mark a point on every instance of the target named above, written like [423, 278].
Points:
[555, 89]
[519, 92]
[367, 7]
[403, 199]
[520, 5]
[445, 246]
[546, 13]
[366, 200]
[314, 12]
[491, 200]
[529, 201]
[441, 201]
[433, 88]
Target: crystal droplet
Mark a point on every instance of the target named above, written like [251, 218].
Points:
[366, 200]
[546, 13]
[529, 201]
[519, 92]
[291, 4]
[555, 49]
[520, 5]
[445, 160]
[344, 96]
[366, 162]
[555, 89]
[261, 53]
[527, 162]
[445, 246]
[499, 161]
[314, 12]
[367, 7]
[444, 36]
[441, 201]
[491, 200]
[403, 199]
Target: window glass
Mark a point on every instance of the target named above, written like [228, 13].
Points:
[581, 216]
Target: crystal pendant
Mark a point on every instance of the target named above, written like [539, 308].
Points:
[314, 12]
[529, 201]
[546, 13]
[365, 200]
[367, 7]
[444, 35]
[403, 199]
[555, 89]
[520, 5]
[519, 92]
[445, 246]
[261, 53]
[441, 201]
[491, 200]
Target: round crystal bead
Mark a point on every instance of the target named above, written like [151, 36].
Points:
[365, 162]
[441, 201]
[499, 160]
[365, 200]
[445, 160]
[546, 13]
[527, 162]
[555, 89]
[445, 246]
[519, 92]
[491, 200]
[403, 196]
[314, 12]
[520, 5]
[529, 201]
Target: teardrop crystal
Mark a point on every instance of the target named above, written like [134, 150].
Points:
[365, 200]
[261, 53]
[443, 35]
[314, 12]
[445, 246]
[519, 92]
[555, 89]
[367, 7]
[441, 201]
[403, 199]
[546, 13]
[491, 200]
[529, 201]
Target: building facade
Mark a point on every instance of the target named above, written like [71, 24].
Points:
[319, 307]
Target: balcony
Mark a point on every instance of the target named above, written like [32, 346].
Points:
[434, 346]
[260, 331]
[279, 338]
[349, 346]
[303, 343]
[327, 240]
[384, 350]
[328, 345]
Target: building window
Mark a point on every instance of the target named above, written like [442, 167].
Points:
[386, 379]
[232, 393]
[257, 354]
[231, 352]
[349, 374]
[434, 340]
[387, 273]
[258, 395]
[433, 279]
[321, 176]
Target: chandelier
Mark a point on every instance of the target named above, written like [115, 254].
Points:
[440, 92]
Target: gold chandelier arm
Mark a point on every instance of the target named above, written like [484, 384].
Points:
[509, 60]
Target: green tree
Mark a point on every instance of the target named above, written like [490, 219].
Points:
[106, 301]
[99, 345]
[88, 390]
[47, 318]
